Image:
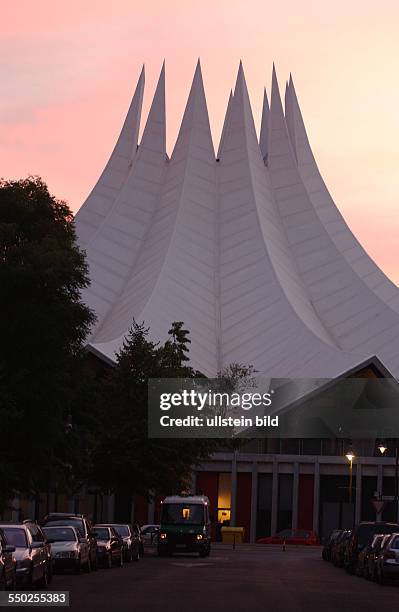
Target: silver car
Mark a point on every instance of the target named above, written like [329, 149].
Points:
[32, 553]
[387, 562]
[70, 550]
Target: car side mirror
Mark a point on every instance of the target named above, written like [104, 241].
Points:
[9, 548]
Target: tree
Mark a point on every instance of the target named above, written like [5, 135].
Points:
[43, 325]
[127, 460]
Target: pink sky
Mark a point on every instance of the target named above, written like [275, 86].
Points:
[68, 70]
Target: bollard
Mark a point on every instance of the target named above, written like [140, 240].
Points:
[283, 544]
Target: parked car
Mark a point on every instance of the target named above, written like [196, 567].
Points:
[292, 536]
[70, 550]
[136, 529]
[149, 534]
[34, 563]
[131, 541]
[387, 560]
[329, 543]
[367, 557]
[82, 524]
[8, 565]
[361, 534]
[109, 546]
[339, 548]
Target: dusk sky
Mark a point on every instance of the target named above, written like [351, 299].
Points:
[68, 70]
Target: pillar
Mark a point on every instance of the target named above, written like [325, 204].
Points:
[358, 502]
[295, 491]
[233, 502]
[254, 502]
[316, 497]
[273, 527]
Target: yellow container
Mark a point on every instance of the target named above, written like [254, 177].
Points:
[233, 535]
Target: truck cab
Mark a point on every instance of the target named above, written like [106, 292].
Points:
[185, 525]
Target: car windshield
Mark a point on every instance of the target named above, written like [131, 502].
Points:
[177, 514]
[286, 533]
[74, 522]
[395, 544]
[122, 530]
[102, 533]
[365, 532]
[60, 534]
[16, 537]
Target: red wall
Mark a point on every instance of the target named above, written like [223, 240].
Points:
[207, 484]
[243, 509]
[140, 509]
[305, 501]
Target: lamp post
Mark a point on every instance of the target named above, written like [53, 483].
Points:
[383, 448]
[350, 455]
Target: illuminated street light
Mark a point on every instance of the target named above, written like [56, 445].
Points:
[382, 448]
[350, 455]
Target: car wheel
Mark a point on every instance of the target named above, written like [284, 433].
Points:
[108, 563]
[121, 560]
[88, 566]
[78, 566]
[141, 549]
[136, 554]
[2, 582]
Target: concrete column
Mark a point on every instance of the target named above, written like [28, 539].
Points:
[274, 517]
[233, 503]
[380, 473]
[316, 497]
[358, 502]
[111, 508]
[15, 510]
[254, 502]
[151, 511]
[194, 482]
[295, 494]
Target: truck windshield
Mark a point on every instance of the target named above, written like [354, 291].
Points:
[177, 514]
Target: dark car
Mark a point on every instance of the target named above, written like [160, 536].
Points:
[32, 553]
[82, 524]
[340, 548]
[131, 541]
[387, 561]
[8, 575]
[361, 535]
[367, 557]
[109, 546]
[136, 529]
[329, 543]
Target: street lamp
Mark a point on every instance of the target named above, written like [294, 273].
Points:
[350, 455]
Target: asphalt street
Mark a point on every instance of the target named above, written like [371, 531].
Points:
[249, 578]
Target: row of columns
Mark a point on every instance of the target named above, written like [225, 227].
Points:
[295, 495]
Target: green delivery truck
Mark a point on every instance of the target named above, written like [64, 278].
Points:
[185, 525]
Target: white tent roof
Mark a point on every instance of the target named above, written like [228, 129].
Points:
[248, 249]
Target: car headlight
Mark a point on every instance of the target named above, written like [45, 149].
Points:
[163, 536]
[200, 536]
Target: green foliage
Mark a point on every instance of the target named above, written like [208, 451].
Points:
[127, 460]
[43, 324]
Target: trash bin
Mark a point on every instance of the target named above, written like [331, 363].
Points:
[233, 535]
